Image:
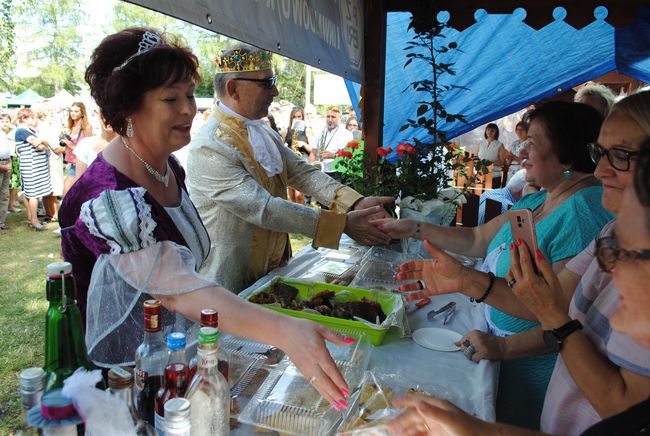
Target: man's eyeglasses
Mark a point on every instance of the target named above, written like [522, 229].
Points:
[618, 158]
[608, 253]
[268, 83]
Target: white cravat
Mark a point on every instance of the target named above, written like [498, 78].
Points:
[263, 141]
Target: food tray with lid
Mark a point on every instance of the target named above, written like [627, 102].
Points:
[287, 403]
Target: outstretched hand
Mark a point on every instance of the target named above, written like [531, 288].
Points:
[359, 228]
[541, 293]
[441, 275]
[398, 229]
[304, 343]
[427, 415]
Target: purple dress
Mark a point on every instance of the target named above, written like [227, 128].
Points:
[78, 245]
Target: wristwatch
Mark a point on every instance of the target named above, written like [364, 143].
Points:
[556, 337]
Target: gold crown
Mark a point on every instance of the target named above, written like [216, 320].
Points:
[242, 60]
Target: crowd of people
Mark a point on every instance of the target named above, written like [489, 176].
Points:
[566, 319]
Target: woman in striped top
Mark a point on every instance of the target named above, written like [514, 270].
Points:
[34, 166]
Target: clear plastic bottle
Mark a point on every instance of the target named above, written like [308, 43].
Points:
[176, 378]
[209, 394]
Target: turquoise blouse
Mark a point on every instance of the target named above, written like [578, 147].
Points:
[562, 234]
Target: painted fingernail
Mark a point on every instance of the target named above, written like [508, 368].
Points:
[343, 405]
[457, 343]
[345, 393]
[335, 406]
[512, 246]
[518, 242]
[426, 238]
[349, 340]
[539, 254]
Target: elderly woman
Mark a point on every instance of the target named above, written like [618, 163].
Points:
[626, 255]
[567, 215]
[598, 373]
[131, 231]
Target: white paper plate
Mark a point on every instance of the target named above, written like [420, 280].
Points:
[437, 339]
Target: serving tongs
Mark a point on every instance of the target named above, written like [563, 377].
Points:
[448, 310]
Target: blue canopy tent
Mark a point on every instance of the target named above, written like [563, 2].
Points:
[507, 64]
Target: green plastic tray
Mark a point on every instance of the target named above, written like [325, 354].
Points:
[348, 327]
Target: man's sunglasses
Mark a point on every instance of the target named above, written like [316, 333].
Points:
[268, 83]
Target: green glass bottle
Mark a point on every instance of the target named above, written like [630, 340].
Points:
[65, 347]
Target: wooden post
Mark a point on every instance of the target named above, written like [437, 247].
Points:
[375, 58]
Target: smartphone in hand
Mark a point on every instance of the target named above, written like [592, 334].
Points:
[523, 227]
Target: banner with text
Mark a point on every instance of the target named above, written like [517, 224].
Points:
[327, 34]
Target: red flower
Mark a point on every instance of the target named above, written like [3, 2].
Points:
[383, 152]
[343, 153]
[405, 148]
[353, 145]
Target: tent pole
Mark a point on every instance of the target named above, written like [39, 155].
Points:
[374, 73]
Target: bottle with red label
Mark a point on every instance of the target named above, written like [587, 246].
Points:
[177, 377]
[210, 318]
[150, 360]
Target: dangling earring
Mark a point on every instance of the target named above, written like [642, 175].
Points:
[567, 174]
[129, 128]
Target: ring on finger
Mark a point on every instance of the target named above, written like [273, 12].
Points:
[512, 282]
[312, 380]
[469, 351]
[426, 427]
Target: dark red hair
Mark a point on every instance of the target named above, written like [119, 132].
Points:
[119, 91]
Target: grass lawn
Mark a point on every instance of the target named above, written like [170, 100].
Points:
[23, 260]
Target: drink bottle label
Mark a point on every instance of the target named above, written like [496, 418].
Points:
[140, 378]
[209, 361]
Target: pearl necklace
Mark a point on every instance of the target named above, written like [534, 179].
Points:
[159, 177]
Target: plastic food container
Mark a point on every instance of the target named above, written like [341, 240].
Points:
[287, 403]
[390, 304]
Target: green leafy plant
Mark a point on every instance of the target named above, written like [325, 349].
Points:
[379, 179]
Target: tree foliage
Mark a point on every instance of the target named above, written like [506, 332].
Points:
[7, 48]
[56, 42]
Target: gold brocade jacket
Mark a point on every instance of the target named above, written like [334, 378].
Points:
[247, 213]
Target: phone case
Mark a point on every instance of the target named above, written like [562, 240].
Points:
[523, 227]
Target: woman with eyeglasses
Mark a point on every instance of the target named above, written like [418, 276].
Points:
[598, 373]
[567, 215]
[625, 255]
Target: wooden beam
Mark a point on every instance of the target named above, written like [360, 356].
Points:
[373, 95]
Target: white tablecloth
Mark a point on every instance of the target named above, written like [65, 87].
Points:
[469, 385]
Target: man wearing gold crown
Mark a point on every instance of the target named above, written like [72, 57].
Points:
[238, 173]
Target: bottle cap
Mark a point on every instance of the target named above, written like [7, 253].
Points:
[209, 318]
[152, 312]
[208, 335]
[119, 378]
[57, 268]
[177, 411]
[176, 341]
[32, 379]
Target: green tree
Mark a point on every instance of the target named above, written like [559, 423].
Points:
[291, 79]
[57, 53]
[7, 48]
[203, 43]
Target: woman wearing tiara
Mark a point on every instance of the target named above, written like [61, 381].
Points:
[131, 232]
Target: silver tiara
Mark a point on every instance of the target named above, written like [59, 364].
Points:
[149, 40]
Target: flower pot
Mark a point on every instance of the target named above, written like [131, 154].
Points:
[435, 211]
